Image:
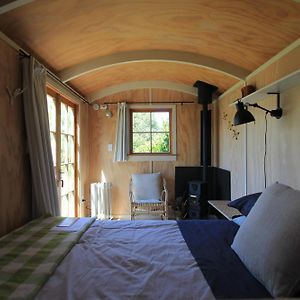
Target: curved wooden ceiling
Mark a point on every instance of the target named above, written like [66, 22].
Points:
[163, 71]
[240, 33]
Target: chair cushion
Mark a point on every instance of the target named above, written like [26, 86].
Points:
[268, 242]
[146, 186]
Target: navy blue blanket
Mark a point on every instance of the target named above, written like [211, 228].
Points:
[209, 241]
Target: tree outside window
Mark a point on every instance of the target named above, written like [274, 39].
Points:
[150, 131]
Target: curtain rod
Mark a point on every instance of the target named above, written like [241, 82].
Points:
[131, 102]
[67, 86]
[55, 77]
[22, 53]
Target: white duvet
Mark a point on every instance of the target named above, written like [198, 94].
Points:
[128, 260]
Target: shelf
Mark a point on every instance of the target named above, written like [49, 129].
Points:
[222, 207]
[278, 86]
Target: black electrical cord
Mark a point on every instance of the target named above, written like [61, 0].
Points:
[265, 154]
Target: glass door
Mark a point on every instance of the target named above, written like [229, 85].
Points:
[62, 120]
[67, 164]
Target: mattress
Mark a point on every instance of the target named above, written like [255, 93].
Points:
[153, 260]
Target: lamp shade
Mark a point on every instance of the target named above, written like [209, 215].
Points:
[242, 116]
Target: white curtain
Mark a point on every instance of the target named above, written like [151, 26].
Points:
[101, 200]
[45, 199]
[121, 142]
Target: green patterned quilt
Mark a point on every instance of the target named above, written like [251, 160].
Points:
[30, 254]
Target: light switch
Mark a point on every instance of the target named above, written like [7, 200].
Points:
[109, 147]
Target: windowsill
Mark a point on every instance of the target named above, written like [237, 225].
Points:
[162, 157]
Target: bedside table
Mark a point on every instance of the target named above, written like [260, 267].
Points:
[220, 208]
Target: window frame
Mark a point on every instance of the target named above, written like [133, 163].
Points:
[170, 156]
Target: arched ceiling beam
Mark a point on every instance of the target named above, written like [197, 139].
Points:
[135, 85]
[152, 55]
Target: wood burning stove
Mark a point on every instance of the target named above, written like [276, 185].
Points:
[208, 183]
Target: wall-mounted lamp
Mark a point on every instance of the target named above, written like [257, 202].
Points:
[243, 116]
[108, 113]
[104, 107]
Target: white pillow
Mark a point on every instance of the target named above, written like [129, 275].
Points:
[146, 186]
[268, 242]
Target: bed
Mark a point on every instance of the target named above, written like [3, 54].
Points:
[140, 260]
[92, 259]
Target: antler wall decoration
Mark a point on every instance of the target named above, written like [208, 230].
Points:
[14, 94]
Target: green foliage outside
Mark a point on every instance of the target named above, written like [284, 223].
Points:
[155, 126]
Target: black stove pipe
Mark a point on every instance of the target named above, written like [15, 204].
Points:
[205, 92]
[204, 142]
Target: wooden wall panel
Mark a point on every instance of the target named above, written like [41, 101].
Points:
[230, 151]
[102, 168]
[84, 164]
[283, 144]
[102, 133]
[15, 183]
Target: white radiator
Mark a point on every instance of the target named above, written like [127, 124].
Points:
[101, 200]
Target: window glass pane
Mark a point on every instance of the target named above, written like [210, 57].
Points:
[71, 149]
[64, 149]
[160, 121]
[71, 204]
[160, 142]
[141, 143]
[65, 206]
[64, 118]
[53, 147]
[71, 121]
[64, 177]
[141, 122]
[70, 186]
[67, 175]
[51, 113]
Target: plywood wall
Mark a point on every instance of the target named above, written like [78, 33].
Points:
[283, 144]
[83, 157]
[15, 182]
[245, 157]
[102, 133]
[229, 152]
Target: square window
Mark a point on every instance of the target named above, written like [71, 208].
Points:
[150, 131]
